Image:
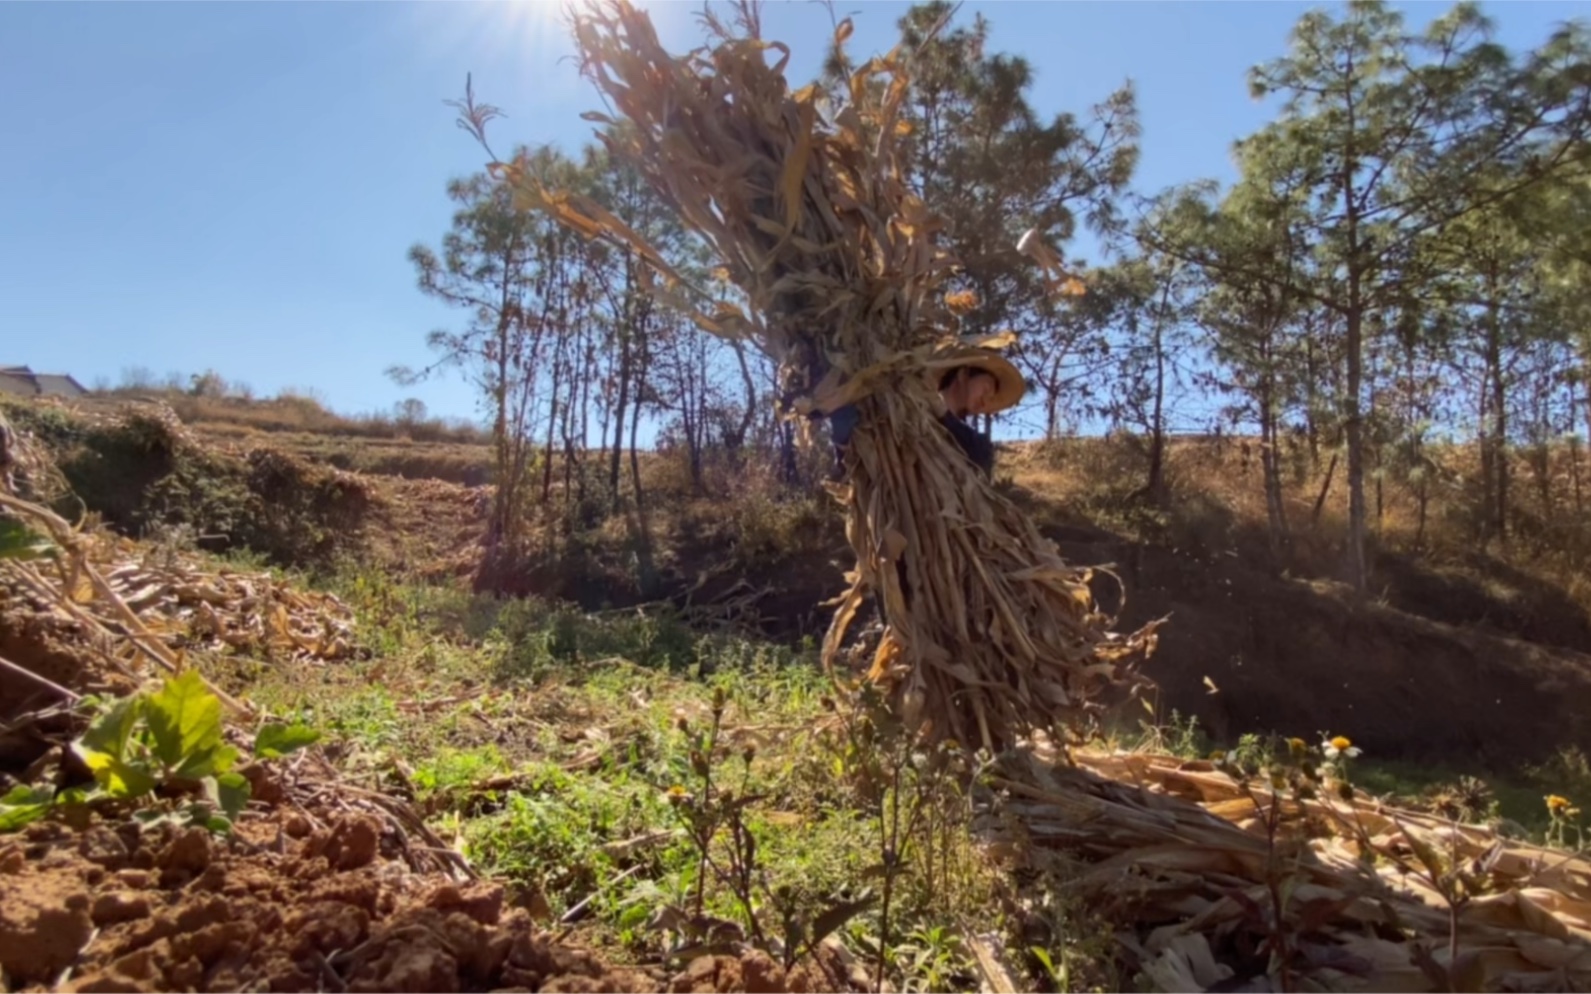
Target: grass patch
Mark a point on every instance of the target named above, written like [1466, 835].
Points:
[547, 744]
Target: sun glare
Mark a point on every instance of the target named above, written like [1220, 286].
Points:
[528, 38]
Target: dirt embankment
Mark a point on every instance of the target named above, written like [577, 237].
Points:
[1302, 658]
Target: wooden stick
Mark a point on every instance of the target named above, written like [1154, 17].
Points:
[28, 674]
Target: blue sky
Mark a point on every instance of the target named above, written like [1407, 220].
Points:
[236, 185]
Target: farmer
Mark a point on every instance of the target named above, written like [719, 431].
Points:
[984, 382]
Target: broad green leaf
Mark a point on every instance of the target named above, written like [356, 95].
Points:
[22, 806]
[211, 764]
[222, 760]
[204, 816]
[79, 795]
[274, 741]
[185, 720]
[119, 777]
[232, 793]
[103, 749]
[18, 541]
[109, 732]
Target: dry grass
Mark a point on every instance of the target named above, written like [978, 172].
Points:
[1217, 501]
[291, 412]
[464, 463]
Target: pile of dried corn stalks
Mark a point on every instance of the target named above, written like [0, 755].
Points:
[811, 218]
[133, 607]
[185, 605]
[1177, 857]
[250, 613]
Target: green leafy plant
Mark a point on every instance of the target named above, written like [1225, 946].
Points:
[715, 820]
[18, 541]
[23, 805]
[274, 741]
[169, 742]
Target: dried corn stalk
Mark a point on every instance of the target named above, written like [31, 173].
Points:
[993, 634]
[1174, 854]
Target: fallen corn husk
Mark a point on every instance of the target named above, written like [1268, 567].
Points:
[1175, 855]
[992, 634]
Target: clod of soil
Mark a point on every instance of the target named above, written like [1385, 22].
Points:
[44, 922]
[185, 910]
[296, 901]
[756, 973]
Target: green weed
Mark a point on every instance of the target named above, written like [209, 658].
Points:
[170, 740]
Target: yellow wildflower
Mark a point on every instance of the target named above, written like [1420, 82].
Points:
[1558, 806]
[1297, 747]
[677, 794]
[1339, 746]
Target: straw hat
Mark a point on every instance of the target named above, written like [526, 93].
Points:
[983, 354]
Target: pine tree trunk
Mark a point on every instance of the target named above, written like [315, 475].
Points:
[1500, 431]
[620, 411]
[646, 575]
[1358, 574]
[749, 414]
[1157, 440]
[1270, 463]
[1325, 489]
[552, 420]
[1574, 452]
[1312, 399]
[1052, 408]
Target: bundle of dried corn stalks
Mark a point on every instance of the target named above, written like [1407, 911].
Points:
[1176, 855]
[810, 215]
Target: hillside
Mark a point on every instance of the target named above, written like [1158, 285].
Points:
[1460, 658]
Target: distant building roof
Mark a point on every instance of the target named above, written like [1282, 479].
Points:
[23, 382]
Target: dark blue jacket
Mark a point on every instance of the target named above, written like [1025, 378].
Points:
[975, 445]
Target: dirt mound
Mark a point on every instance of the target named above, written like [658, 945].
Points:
[296, 903]
[292, 903]
[52, 647]
[1302, 658]
[1485, 592]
